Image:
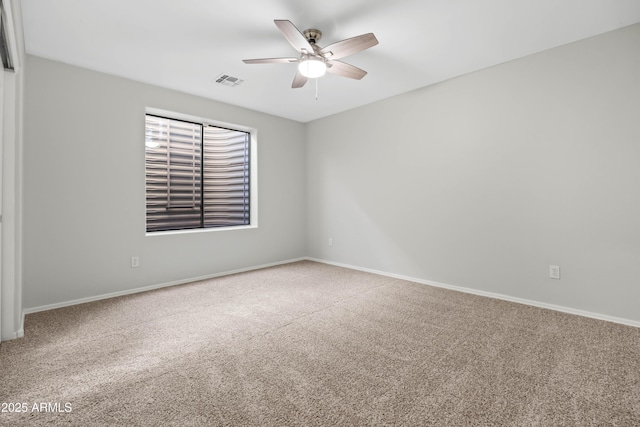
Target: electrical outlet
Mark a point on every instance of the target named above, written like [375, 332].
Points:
[554, 271]
[135, 262]
[330, 241]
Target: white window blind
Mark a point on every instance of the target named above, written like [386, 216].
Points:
[188, 163]
[226, 177]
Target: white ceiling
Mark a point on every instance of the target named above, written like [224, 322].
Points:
[185, 45]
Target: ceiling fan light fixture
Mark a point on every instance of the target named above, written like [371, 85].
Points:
[312, 68]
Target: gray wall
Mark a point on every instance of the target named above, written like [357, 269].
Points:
[84, 209]
[481, 182]
[485, 180]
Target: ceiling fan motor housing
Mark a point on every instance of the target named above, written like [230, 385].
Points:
[312, 35]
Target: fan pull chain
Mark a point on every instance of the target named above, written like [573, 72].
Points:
[317, 89]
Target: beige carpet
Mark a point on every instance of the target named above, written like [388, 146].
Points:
[310, 344]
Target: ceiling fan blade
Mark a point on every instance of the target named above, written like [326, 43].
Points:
[345, 70]
[294, 36]
[298, 81]
[349, 46]
[270, 60]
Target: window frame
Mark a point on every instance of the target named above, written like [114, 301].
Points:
[253, 170]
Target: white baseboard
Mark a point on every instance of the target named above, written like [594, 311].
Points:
[533, 303]
[18, 334]
[147, 288]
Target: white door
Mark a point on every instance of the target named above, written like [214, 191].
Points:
[1, 157]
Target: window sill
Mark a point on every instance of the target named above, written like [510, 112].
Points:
[199, 230]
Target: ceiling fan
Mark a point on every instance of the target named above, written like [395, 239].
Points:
[314, 60]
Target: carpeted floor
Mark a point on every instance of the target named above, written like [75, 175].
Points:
[310, 344]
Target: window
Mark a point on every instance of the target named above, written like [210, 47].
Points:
[197, 175]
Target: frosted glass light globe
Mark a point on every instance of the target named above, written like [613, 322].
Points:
[312, 68]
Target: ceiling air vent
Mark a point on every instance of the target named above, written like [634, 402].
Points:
[227, 80]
